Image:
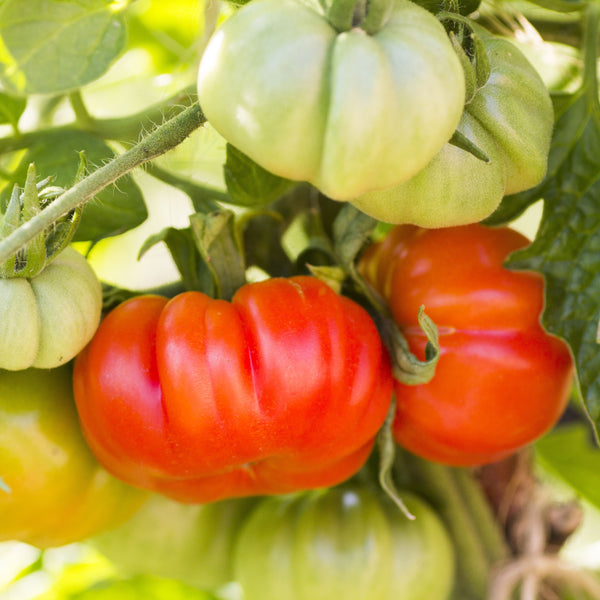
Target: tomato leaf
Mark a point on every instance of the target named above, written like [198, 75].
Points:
[351, 230]
[406, 367]
[195, 274]
[249, 184]
[219, 246]
[387, 456]
[567, 248]
[569, 453]
[116, 209]
[57, 45]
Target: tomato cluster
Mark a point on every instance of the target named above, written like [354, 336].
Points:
[191, 407]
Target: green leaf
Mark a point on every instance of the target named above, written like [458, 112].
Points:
[116, 209]
[194, 271]
[218, 243]
[567, 248]
[11, 109]
[351, 230]
[53, 46]
[386, 446]
[248, 183]
[569, 453]
[406, 367]
[464, 143]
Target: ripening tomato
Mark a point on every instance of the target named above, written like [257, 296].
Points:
[54, 492]
[501, 380]
[282, 389]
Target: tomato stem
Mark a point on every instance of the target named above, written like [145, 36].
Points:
[123, 129]
[341, 14]
[460, 502]
[378, 13]
[590, 52]
[163, 138]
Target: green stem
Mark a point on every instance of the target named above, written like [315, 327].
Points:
[479, 508]
[202, 197]
[123, 129]
[460, 503]
[79, 108]
[341, 13]
[162, 139]
[378, 13]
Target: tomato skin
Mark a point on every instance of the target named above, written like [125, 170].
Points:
[58, 494]
[510, 118]
[501, 381]
[282, 389]
[189, 542]
[47, 319]
[346, 111]
[346, 542]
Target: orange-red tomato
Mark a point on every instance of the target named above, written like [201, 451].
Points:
[282, 389]
[502, 380]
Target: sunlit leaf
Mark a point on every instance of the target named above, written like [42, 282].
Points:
[57, 45]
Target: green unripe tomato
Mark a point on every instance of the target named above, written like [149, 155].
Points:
[510, 118]
[54, 490]
[189, 542]
[346, 542]
[346, 111]
[46, 320]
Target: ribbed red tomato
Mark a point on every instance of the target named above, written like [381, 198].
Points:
[282, 389]
[502, 380]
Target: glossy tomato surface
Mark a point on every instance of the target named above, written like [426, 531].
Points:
[502, 380]
[282, 389]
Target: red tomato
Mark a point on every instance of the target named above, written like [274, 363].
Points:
[501, 381]
[282, 389]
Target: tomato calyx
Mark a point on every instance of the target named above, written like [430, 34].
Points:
[367, 15]
[24, 204]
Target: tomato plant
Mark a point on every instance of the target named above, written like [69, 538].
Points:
[420, 112]
[55, 491]
[501, 381]
[347, 542]
[509, 117]
[282, 389]
[360, 87]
